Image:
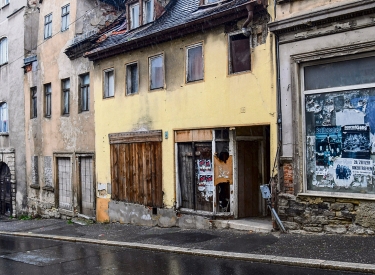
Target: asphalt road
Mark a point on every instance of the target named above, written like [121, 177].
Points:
[19, 255]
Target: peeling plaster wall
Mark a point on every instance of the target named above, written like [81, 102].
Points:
[287, 9]
[220, 100]
[60, 135]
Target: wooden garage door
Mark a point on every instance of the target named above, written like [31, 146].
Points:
[136, 168]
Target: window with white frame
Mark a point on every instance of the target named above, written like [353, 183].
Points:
[148, 11]
[4, 123]
[48, 26]
[4, 3]
[194, 63]
[84, 95]
[65, 17]
[3, 50]
[65, 85]
[134, 16]
[239, 53]
[47, 100]
[156, 65]
[339, 125]
[132, 78]
[109, 83]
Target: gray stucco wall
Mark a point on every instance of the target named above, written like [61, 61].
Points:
[11, 91]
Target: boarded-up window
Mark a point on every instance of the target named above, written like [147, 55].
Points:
[136, 167]
[194, 64]
[64, 170]
[86, 178]
[239, 47]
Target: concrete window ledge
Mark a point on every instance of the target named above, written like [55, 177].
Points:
[35, 186]
[4, 134]
[48, 188]
[369, 197]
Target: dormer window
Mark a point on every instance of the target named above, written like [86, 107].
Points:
[148, 14]
[208, 2]
[134, 16]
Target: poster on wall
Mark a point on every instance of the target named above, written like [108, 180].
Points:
[340, 141]
[356, 141]
[205, 178]
[328, 144]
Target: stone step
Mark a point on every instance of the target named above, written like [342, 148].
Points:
[254, 225]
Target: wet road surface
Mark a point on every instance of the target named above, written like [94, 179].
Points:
[19, 255]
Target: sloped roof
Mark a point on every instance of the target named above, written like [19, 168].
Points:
[180, 18]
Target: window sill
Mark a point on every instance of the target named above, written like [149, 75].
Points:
[6, 5]
[48, 188]
[157, 89]
[194, 81]
[4, 64]
[132, 94]
[5, 134]
[239, 73]
[370, 197]
[108, 97]
[35, 186]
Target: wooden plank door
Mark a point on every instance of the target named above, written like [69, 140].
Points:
[186, 174]
[249, 178]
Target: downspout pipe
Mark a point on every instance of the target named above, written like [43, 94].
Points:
[250, 15]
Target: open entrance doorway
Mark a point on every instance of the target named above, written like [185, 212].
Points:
[5, 190]
[253, 169]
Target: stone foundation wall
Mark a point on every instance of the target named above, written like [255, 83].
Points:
[303, 214]
[129, 213]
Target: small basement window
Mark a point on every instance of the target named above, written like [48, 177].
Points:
[239, 53]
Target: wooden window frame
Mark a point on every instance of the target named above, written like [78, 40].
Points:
[230, 70]
[48, 26]
[126, 78]
[84, 88]
[189, 47]
[65, 17]
[65, 92]
[33, 103]
[47, 88]
[150, 71]
[106, 85]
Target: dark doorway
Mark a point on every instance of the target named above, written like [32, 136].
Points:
[5, 190]
[249, 179]
[253, 158]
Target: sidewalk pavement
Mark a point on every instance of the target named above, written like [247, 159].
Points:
[346, 253]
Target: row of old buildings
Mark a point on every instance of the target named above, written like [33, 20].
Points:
[174, 112]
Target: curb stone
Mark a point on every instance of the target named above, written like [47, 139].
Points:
[290, 261]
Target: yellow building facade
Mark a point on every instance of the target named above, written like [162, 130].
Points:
[222, 122]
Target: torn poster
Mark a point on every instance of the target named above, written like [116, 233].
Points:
[223, 170]
[356, 141]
